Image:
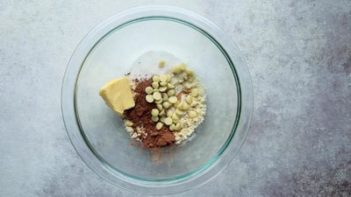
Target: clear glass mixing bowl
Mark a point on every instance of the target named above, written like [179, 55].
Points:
[98, 134]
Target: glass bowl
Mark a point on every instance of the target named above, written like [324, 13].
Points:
[109, 51]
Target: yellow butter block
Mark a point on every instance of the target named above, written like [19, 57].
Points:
[118, 95]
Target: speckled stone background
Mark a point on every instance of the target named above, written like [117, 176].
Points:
[299, 56]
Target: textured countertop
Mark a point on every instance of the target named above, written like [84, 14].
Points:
[299, 56]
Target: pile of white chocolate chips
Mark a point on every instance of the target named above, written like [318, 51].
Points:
[179, 102]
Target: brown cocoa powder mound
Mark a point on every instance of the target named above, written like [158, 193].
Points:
[140, 115]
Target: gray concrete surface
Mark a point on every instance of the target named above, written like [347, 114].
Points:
[299, 56]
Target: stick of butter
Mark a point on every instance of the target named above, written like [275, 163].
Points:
[118, 95]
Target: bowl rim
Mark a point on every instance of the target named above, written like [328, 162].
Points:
[177, 184]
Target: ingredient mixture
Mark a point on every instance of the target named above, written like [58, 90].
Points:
[165, 108]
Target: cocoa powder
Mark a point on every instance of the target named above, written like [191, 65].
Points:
[140, 115]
